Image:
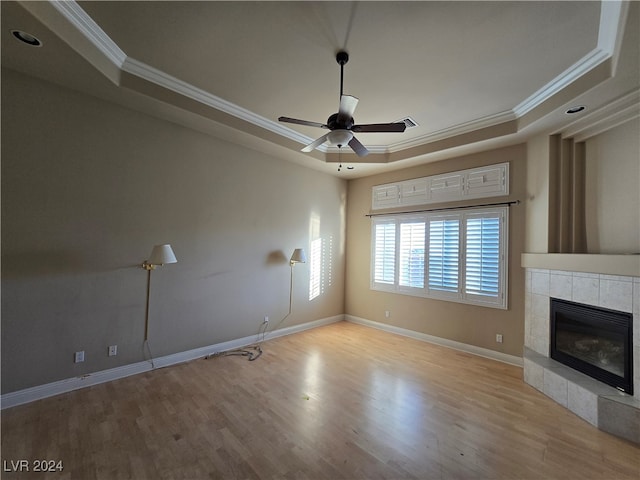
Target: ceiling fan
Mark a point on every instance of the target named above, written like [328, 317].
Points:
[341, 124]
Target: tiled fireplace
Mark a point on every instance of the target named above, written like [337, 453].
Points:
[601, 405]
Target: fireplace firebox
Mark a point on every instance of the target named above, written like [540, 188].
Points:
[595, 341]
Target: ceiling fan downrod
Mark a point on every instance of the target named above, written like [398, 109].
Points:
[342, 57]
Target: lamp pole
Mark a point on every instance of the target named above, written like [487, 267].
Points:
[146, 314]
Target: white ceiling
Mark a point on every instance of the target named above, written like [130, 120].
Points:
[472, 74]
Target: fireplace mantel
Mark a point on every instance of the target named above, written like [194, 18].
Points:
[627, 265]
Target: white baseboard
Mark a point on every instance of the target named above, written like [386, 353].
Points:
[463, 347]
[32, 394]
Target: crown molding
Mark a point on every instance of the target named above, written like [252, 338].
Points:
[455, 130]
[613, 15]
[611, 28]
[91, 30]
[158, 77]
[562, 81]
[376, 149]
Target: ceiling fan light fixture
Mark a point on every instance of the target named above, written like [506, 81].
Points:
[340, 137]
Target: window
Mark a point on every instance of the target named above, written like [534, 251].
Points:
[444, 252]
[459, 255]
[411, 254]
[482, 270]
[385, 253]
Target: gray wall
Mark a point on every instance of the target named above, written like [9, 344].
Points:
[89, 187]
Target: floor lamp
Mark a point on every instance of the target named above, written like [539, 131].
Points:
[255, 350]
[297, 257]
[160, 254]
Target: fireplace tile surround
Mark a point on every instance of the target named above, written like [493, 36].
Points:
[601, 405]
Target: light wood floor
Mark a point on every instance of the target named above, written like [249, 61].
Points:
[338, 402]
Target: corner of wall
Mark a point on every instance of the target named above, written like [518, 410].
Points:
[537, 199]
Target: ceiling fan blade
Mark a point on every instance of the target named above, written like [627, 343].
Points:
[380, 127]
[302, 122]
[315, 144]
[348, 105]
[357, 147]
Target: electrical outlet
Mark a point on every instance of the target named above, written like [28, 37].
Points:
[79, 357]
[266, 319]
[498, 337]
[387, 313]
[113, 350]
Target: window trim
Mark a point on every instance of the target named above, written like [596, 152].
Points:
[460, 296]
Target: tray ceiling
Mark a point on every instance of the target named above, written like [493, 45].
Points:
[469, 73]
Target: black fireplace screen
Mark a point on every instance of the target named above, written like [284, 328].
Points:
[595, 341]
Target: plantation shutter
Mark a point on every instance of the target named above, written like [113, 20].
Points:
[385, 253]
[412, 236]
[459, 255]
[315, 269]
[444, 248]
[482, 273]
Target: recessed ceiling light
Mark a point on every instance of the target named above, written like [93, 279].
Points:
[350, 168]
[576, 109]
[26, 38]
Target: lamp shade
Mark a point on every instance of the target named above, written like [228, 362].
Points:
[340, 137]
[298, 256]
[162, 254]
